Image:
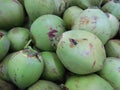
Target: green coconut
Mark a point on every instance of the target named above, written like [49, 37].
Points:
[4, 67]
[25, 68]
[53, 68]
[112, 48]
[44, 85]
[37, 8]
[84, 4]
[46, 31]
[111, 72]
[11, 14]
[18, 37]
[81, 52]
[70, 15]
[4, 45]
[112, 8]
[94, 20]
[114, 24]
[60, 6]
[90, 82]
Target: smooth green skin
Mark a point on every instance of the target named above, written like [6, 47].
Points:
[18, 37]
[11, 14]
[4, 46]
[90, 82]
[44, 85]
[114, 23]
[71, 14]
[53, 68]
[81, 52]
[84, 4]
[39, 8]
[6, 86]
[112, 8]
[43, 34]
[72, 3]
[112, 48]
[24, 68]
[111, 72]
[95, 21]
[4, 68]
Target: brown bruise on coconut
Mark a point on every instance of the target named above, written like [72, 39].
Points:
[94, 64]
[84, 20]
[66, 3]
[32, 54]
[91, 46]
[1, 35]
[60, 8]
[15, 30]
[52, 33]
[94, 22]
[73, 42]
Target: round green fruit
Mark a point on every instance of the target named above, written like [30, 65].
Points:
[11, 14]
[37, 8]
[113, 8]
[95, 21]
[111, 72]
[81, 52]
[44, 85]
[70, 15]
[46, 31]
[4, 45]
[89, 82]
[53, 68]
[4, 67]
[112, 48]
[25, 68]
[18, 37]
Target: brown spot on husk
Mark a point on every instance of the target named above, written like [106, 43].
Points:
[91, 46]
[60, 8]
[94, 64]
[73, 42]
[84, 20]
[15, 30]
[52, 33]
[66, 3]
[95, 18]
[85, 39]
[1, 35]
